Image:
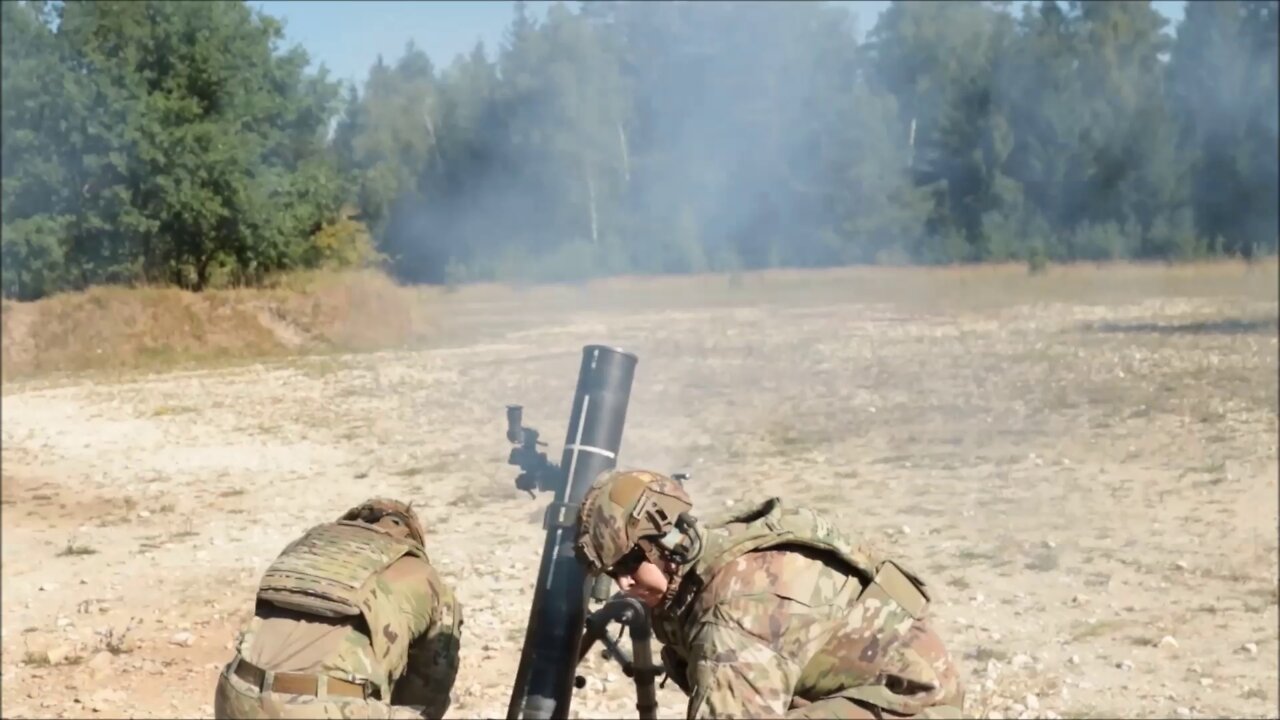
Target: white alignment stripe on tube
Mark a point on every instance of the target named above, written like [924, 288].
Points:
[568, 488]
[596, 450]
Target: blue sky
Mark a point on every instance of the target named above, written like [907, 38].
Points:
[348, 35]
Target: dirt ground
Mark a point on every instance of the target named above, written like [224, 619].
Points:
[1082, 465]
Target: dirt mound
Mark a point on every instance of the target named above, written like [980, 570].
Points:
[113, 328]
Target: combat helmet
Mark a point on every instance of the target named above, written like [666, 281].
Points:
[627, 509]
[389, 514]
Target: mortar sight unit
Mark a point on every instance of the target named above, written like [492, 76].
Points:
[537, 472]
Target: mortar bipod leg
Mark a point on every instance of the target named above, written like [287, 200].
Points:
[645, 672]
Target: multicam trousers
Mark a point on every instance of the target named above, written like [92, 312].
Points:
[839, 708]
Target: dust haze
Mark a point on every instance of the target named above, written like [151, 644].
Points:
[686, 138]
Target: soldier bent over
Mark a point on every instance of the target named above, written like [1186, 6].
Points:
[771, 614]
[351, 621]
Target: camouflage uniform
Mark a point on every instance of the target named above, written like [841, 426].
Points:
[779, 616]
[352, 621]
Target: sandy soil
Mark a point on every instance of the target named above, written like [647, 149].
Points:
[1087, 479]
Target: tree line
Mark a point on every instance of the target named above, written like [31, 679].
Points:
[182, 143]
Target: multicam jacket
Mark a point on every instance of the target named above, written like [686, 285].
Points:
[780, 610]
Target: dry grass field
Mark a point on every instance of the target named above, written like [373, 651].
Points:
[1082, 465]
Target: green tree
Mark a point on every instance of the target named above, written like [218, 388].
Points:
[184, 142]
[939, 61]
[388, 134]
[1134, 177]
[1222, 78]
[35, 199]
[1037, 87]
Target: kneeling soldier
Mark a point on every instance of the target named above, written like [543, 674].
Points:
[771, 614]
[351, 621]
